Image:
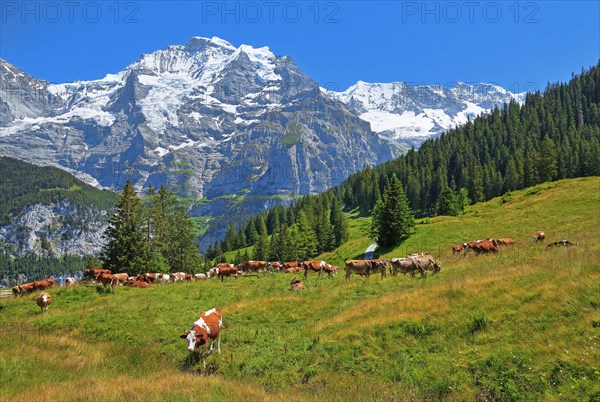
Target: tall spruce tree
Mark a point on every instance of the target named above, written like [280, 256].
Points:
[126, 246]
[393, 220]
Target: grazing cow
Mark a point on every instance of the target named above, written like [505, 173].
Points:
[427, 263]
[291, 264]
[44, 300]
[107, 279]
[188, 278]
[505, 241]
[42, 285]
[16, 290]
[331, 270]
[481, 246]
[137, 284]
[228, 271]
[94, 272]
[565, 243]
[26, 288]
[213, 272]
[297, 285]
[52, 282]
[293, 269]
[121, 278]
[206, 328]
[200, 276]
[69, 281]
[316, 266]
[252, 266]
[275, 266]
[457, 249]
[539, 236]
[364, 267]
[406, 266]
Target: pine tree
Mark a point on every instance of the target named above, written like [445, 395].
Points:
[339, 223]
[307, 238]
[261, 249]
[462, 200]
[547, 161]
[447, 202]
[126, 246]
[393, 219]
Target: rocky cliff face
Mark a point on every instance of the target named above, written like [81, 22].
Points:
[54, 230]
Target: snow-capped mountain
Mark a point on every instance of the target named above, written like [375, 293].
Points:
[207, 119]
[410, 114]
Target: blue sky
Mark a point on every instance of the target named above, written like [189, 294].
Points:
[519, 45]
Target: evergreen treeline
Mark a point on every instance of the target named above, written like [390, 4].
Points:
[309, 227]
[552, 136]
[154, 235]
[23, 184]
[32, 267]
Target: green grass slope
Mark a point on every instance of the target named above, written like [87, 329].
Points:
[524, 324]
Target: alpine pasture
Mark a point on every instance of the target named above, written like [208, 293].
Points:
[520, 324]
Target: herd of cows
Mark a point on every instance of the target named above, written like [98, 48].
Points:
[207, 328]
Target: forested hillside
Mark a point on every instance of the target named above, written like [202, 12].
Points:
[23, 184]
[552, 136]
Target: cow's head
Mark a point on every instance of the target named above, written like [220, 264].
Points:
[195, 338]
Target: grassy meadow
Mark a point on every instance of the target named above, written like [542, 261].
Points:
[523, 324]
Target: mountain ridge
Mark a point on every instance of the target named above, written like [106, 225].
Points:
[206, 119]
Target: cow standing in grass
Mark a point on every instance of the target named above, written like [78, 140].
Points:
[206, 329]
[365, 267]
[44, 300]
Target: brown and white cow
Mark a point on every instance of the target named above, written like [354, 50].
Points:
[206, 328]
[200, 277]
[137, 284]
[365, 267]
[316, 265]
[93, 273]
[406, 266]
[42, 285]
[252, 266]
[505, 241]
[457, 249]
[275, 266]
[331, 270]
[291, 264]
[121, 278]
[178, 277]
[481, 246]
[107, 280]
[228, 271]
[26, 288]
[213, 272]
[70, 281]
[293, 269]
[44, 300]
[539, 236]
